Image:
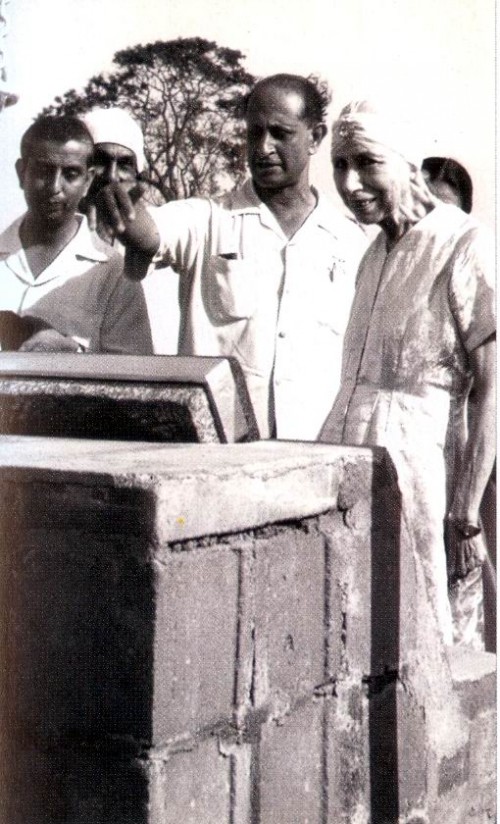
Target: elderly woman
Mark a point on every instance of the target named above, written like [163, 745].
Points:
[421, 334]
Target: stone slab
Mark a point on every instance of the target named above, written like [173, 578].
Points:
[290, 766]
[196, 641]
[139, 398]
[195, 787]
[264, 481]
[289, 627]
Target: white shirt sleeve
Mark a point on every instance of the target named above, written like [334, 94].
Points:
[183, 226]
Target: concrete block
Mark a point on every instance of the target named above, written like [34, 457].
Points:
[412, 742]
[483, 749]
[105, 641]
[464, 805]
[79, 636]
[124, 615]
[289, 769]
[195, 640]
[193, 787]
[159, 398]
[347, 774]
[367, 609]
[348, 577]
[376, 745]
[474, 679]
[454, 771]
[289, 614]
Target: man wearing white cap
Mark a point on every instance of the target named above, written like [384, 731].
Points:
[118, 154]
[119, 158]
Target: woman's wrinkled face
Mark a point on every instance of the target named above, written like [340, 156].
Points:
[373, 181]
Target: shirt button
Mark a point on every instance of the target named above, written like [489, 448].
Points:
[281, 334]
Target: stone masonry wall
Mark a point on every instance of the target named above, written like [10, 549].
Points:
[225, 635]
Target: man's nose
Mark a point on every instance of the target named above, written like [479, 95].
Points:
[54, 181]
[265, 144]
[111, 172]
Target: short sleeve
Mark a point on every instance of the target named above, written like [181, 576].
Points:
[183, 227]
[472, 287]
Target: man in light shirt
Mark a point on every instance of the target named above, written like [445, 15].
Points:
[267, 271]
[51, 267]
[119, 158]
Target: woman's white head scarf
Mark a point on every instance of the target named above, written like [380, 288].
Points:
[116, 126]
[376, 130]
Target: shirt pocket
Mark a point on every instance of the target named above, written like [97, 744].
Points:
[230, 289]
[332, 297]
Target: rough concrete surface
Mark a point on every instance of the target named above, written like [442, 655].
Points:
[230, 634]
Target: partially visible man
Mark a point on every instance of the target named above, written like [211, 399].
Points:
[267, 272]
[51, 267]
[119, 158]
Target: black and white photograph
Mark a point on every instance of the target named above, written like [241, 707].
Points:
[248, 412]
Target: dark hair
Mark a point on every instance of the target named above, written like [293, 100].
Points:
[313, 91]
[59, 129]
[447, 170]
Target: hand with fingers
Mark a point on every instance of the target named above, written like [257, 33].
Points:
[465, 549]
[117, 210]
[111, 207]
[49, 340]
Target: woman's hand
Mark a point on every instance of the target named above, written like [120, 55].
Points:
[463, 554]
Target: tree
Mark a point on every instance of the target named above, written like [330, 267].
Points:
[187, 95]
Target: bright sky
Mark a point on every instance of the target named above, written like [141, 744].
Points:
[435, 55]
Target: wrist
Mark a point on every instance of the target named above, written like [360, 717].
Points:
[465, 527]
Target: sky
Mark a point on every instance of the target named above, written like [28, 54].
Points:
[433, 58]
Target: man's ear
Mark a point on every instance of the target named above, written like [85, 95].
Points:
[318, 132]
[20, 168]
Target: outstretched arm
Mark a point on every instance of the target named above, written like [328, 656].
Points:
[119, 211]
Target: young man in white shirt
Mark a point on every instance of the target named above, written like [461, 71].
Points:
[51, 267]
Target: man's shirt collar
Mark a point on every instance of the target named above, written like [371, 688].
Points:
[245, 200]
[84, 245]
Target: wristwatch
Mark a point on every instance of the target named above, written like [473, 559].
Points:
[466, 529]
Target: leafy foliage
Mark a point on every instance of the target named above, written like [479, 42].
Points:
[186, 94]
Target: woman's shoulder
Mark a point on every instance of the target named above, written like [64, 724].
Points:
[451, 220]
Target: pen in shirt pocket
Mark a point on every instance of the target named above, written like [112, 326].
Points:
[337, 267]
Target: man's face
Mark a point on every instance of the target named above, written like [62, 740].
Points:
[54, 178]
[279, 141]
[114, 163]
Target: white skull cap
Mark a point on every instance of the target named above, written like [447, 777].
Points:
[360, 119]
[116, 126]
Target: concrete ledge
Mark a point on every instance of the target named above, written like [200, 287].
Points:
[193, 486]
